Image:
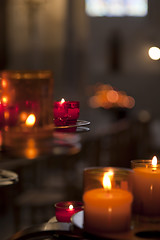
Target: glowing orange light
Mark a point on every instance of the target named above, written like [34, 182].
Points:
[70, 207]
[107, 181]
[31, 151]
[131, 102]
[23, 116]
[4, 83]
[112, 96]
[5, 99]
[30, 121]
[6, 115]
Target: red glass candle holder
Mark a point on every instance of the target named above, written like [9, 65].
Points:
[65, 210]
[60, 112]
[73, 112]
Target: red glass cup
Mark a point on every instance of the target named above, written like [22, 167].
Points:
[73, 112]
[65, 210]
[60, 112]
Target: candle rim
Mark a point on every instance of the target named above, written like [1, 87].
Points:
[144, 163]
[66, 204]
[102, 170]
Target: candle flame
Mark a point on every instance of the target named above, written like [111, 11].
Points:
[107, 180]
[154, 161]
[62, 100]
[30, 121]
[70, 207]
[5, 99]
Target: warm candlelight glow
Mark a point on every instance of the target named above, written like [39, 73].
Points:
[107, 181]
[146, 189]
[62, 100]
[71, 207]
[108, 208]
[23, 116]
[30, 121]
[31, 150]
[6, 115]
[154, 161]
[4, 83]
[5, 99]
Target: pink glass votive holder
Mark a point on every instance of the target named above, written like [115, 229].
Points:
[65, 210]
[60, 112]
[73, 112]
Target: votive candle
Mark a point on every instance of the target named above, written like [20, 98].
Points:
[106, 208]
[60, 112]
[146, 188]
[65, 210]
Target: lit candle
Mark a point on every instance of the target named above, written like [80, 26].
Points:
[60, 112]
[30, 121]
[146, 186]
[107, 209]
[65, 210]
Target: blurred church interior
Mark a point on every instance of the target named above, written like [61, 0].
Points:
[101, 61]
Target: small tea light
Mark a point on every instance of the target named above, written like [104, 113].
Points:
[65, 210]
[66, 112]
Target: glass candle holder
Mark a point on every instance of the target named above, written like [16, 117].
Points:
[31, 92]
[146, 190]
[25, 107]
[73, 112]
[60, 112]
[66, 112]
[107, 200]
[65, 210]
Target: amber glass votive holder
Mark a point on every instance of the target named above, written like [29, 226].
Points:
[107, 200]
[146, 190]
[26, 109]
[65, 210]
